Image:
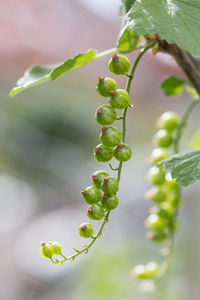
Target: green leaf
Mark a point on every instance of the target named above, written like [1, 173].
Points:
[38, 74]
[128, 4]
[172, 86]
[184, 167]
[176, 21]
[127, 41]
[73, 63]
[32, 76]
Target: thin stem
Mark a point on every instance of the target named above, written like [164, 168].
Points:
[119, 169]
[183, 124]
[106, 52]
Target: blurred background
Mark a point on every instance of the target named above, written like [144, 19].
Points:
[47, 135]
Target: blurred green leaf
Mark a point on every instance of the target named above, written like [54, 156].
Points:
[184, 167]
[127, 41]
[172, 86]
[176, 21]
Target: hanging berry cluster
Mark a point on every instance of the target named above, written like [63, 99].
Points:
[101, 195]
[165, 193]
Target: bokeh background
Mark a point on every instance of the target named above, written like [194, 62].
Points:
[47, 135]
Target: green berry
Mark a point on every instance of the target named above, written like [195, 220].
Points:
[91, 195]
[110, 136]
[156, 175]
[158, 154]
[86, 230]
[122, 152]
[97, 178]
[119, 99]
[110, 185]
[56, 248]
[95, 212]
[105, 85]
[171, 183]
[155, 223]
[46, 249]
[105, 115]
[157, 237]
[157, 194]
[169, 121]
[163, 138]
[103, 153]
[109, 202]
[166, 210]
[119, 64]
[152, 269]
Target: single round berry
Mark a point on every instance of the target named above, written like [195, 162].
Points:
[158, 154]
[171, 183]
[91, 195]
[169, 121]
[46, 250]
[152, 269]
[157, 237]
[105, 115]
[86, 230]
[95, 212]
[156, 194]
[156, 175]
[56, 248]
[109, 202]
[122, 152]
[110, 136]
[166, 210]
[155, 222]
[103, 153]
[119, 64]
[105, 85]
[97, 178]
[119, 99]
[110, 185]
[163, 138]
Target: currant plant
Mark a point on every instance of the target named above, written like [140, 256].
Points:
[170, 27]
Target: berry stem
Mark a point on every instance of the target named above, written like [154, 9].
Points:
[183, 124]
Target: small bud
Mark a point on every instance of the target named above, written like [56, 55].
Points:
[115, 57]
[101, 78]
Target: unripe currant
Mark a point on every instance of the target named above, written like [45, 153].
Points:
[103, 153]
[119, 64]
[109, 202]
[157, 194]
[166, 210]
[86, 230]
[158, 154]
[157, 237]
[169, 121]
[163, 138]
[152, 269]
[110, 185]
[155, 223]
[46, 249]
[110, 136]
[91, 195]
[140, 272]
[105, 85]
[105, 115]
[95, 212]
[119, 99]
[171, 183]
[122, 152]
[56, 248]
[156, 175]
[97, 178]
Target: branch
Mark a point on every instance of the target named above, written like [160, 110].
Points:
[184, 60]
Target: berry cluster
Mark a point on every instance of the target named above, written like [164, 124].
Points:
[101, 195]
[165, 193]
